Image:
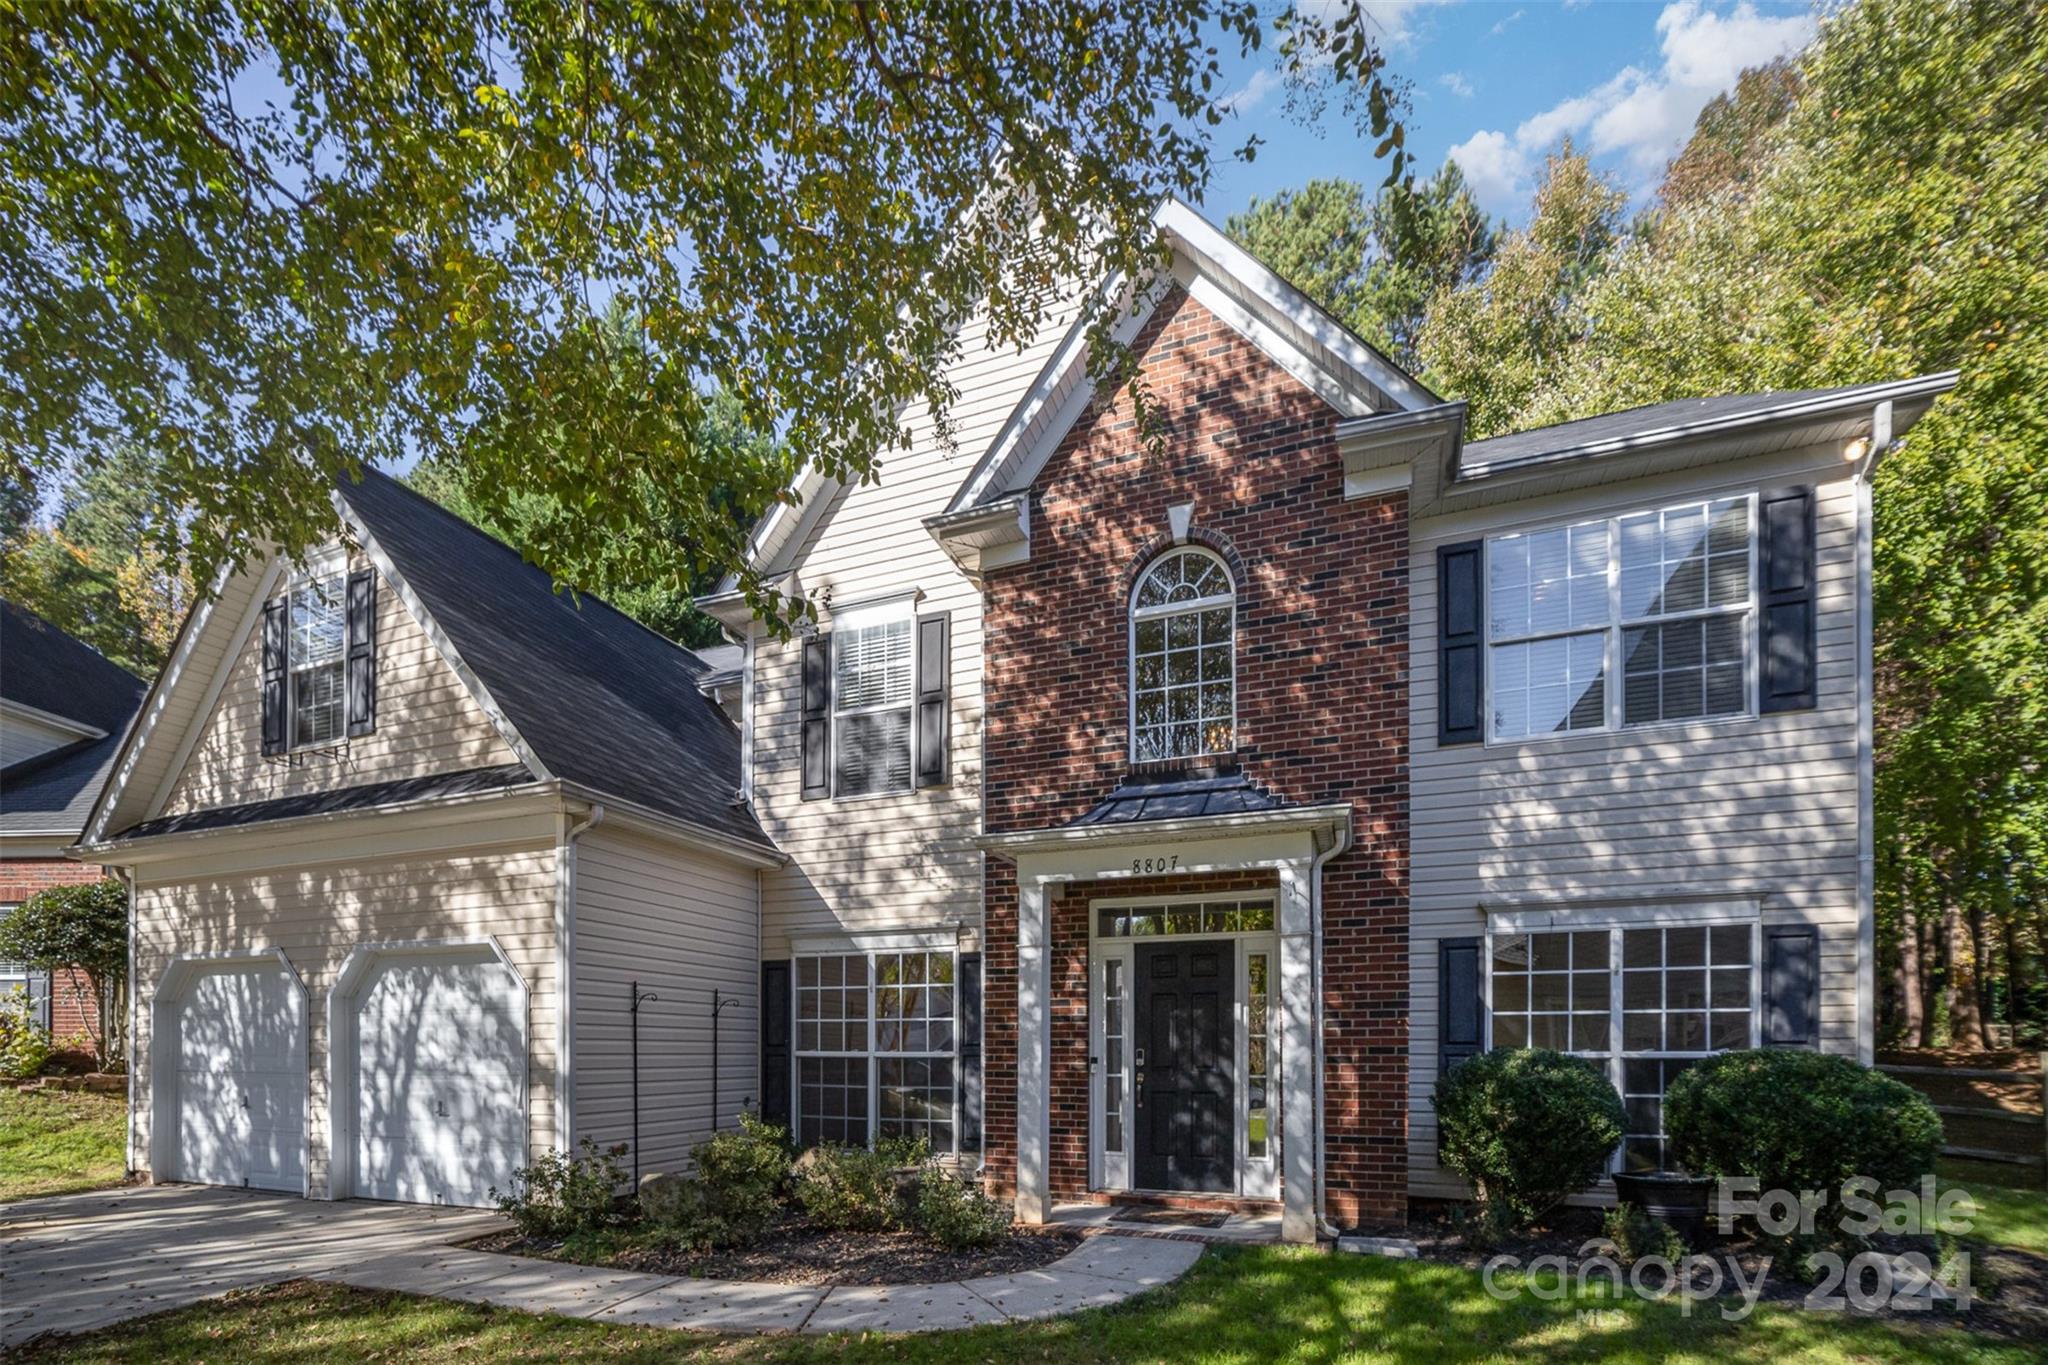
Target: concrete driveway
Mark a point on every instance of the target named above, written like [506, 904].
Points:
[79, 1261]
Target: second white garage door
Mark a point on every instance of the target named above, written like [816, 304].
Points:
[440, 1079]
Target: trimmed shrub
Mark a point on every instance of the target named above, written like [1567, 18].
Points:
[734, 1198]
[1636, 1234]
[562, 1196]
[1527, 1126]
[848, 1189]
[1797, 1120]
[956, 1214]
[24, 1042]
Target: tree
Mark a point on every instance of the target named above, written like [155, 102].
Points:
[1373, 266]
[1732, 138]
[83, 927]
[271, 243]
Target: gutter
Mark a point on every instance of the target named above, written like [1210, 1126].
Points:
[565, 976]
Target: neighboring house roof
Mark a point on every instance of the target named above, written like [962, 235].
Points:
[468, 782]
[723, 664]
[1179, 799]
[50, 672]
[600, 701]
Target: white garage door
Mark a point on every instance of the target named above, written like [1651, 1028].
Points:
[440, 1079]
[240, 1116]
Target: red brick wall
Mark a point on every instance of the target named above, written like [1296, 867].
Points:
[70, 1002]
[1322, 704]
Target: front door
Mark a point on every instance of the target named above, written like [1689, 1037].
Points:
[1186, 1009]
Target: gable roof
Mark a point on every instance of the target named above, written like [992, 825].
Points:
[45, 669]
[598, 700]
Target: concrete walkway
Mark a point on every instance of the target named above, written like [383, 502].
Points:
[1101, 1271]
[75, 1262]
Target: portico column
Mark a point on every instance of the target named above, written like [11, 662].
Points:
[1297, 1052]
[1034, 1047]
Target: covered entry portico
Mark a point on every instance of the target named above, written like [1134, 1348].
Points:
[1203, 1021]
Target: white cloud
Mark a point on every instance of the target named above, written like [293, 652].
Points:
[1636, 118]
[1455, 82]
[1396, 23]
[1502, 26]
[1253, 92]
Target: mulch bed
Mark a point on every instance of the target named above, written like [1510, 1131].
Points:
[800, 1252]
[2011, 1286]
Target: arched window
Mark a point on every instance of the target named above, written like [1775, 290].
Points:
[1183, 664]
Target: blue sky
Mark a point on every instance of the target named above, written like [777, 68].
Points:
[1498, 83]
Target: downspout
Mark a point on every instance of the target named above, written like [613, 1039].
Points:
[565, 976]
[1866, 740]
[1315, 887]
[127, 879]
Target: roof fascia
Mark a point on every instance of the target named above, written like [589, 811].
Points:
[200, 718]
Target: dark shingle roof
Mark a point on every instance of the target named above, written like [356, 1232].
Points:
[603, 702]
[1540, 443]
[41, 666]
[465, 783]
[1179, 799]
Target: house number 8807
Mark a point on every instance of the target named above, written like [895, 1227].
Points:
[1166, 862]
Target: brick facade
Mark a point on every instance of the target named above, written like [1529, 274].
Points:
[1321, 705]
[71, 1011]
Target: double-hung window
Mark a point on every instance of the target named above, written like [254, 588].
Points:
[1645, 1002]
[1664, 598]
[872, 701]
[877, 1039]
[318, 648]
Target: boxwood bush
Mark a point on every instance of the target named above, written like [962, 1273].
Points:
[1527, 1126]
[1796, 1120]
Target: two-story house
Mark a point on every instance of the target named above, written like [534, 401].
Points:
[1150, 812]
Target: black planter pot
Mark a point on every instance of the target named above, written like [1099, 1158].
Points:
[1683, 1201]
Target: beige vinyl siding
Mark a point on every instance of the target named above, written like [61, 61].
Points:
[1764, 805]
[901, 860]
[339, 893]
[681, 923]
[427, 722]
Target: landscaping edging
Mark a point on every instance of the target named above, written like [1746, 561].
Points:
[1101, 1271]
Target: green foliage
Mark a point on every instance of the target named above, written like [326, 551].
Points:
[1733, 138]
[1527, 1126]
[1635, 1235]
[24, 1042]
[849, 1189]
[1374, 266]
[1797, 1120]
[83, 926]
[735, 1196]
[956, 1213]
[563, 1196]
[408, 248]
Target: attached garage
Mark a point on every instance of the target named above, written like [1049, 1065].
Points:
[230, 1073]
[430, 1050]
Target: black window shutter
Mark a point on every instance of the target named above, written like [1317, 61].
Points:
[1461, 607]
[1786, 623]
[775, 1043]
[934, 707]
[1792, 986]
[275, 667]
[362, 652]
[817, 717]
[970, 1052]
[1460, 1006]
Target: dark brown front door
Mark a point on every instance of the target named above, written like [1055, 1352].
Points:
[1186, 993]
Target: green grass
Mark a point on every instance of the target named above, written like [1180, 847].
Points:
[2007, 1215]
[60, 1141]
[1237, 1305]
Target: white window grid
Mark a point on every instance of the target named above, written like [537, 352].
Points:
[877, 1040]
[1261, 1119]
[1570, 989]
[1191, 666]
[1598, 597]
[316, 646]
[873, 689]
[1115, 1028]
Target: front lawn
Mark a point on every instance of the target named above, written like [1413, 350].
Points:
[2008, 1213]
[60, 1141]
[1236, 1305]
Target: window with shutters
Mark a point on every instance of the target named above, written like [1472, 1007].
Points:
[1183, 658]
[877, 1043]
[873, 658]
[1632, 620]
[1645, 1001]
[317, 643]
